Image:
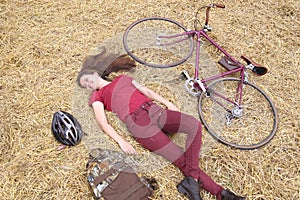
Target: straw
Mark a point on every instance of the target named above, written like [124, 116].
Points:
[42, 45]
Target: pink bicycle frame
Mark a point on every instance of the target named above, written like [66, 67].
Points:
[241, 68]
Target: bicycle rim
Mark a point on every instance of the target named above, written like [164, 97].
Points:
[145, 41]
[253, 129]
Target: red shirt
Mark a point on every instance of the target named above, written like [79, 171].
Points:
[120, 96]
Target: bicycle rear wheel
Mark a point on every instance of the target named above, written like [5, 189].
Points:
[158, 42]
[251, 128]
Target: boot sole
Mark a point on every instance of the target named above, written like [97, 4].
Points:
[183, 191]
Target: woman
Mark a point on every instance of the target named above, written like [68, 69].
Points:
[147, 122]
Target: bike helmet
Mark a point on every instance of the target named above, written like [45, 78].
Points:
[66, 128]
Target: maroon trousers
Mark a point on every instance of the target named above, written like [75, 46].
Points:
[149, 126]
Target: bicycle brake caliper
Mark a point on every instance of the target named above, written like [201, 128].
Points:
[246, 79]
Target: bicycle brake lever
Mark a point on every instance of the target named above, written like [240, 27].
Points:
[212, 5]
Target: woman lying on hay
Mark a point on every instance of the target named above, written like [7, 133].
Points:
[147, 122]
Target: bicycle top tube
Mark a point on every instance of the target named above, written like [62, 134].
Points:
[198, 34]
[202, 33]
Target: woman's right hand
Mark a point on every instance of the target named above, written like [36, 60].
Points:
[126, 147]
[108, 129]
[171, 106]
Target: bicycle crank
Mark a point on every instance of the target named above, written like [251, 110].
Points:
[189, 85]
[190, 88]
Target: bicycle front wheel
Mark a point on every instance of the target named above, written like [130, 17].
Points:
[158, 42]
[247, 127]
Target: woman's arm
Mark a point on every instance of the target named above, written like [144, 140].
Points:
[98, 108]
[153, 95]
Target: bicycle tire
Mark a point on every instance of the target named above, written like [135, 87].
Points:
[254, 129]
[142, 41]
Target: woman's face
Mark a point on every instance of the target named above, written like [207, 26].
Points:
[90, 81]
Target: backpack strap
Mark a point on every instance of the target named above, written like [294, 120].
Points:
[115, 169]
[104, 176]
[131, 190]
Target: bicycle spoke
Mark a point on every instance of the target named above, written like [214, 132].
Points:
[156, 42]
[251, 127]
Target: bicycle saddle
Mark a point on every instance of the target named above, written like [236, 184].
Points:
[255, 67]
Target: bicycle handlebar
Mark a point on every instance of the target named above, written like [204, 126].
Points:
[219, 5]
[212, 5]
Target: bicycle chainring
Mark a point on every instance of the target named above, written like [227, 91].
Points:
[189, 86]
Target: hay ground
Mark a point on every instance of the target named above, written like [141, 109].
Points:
[42, 44]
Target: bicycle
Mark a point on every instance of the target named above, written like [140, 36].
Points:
[233, 110]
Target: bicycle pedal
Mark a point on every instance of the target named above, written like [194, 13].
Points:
[185, 75]
[182, 76]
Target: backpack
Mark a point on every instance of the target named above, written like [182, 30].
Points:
[111, 178]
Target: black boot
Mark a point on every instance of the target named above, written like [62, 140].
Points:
[228, 195]
[190, 187]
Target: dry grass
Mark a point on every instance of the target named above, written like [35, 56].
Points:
[42, 44]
